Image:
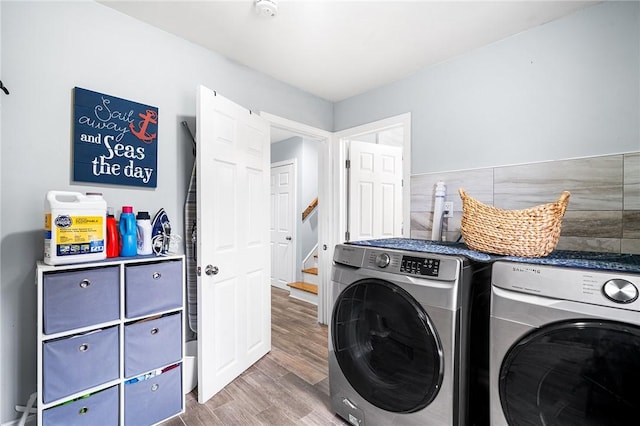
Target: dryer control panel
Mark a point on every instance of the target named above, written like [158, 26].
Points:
[597, 287]
[420, 266]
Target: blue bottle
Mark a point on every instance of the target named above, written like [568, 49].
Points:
[128, 232]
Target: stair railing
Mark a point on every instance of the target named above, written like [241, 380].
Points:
[310, 208]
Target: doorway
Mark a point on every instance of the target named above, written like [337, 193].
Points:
[282, 129]
[332, 185]
[377, 163]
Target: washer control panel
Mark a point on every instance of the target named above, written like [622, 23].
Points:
[420, 266]
[430, 266]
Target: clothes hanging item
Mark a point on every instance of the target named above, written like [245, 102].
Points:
[190, 231]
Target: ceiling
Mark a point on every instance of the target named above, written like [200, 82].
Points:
[338, 49]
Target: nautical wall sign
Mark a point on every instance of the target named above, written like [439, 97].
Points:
[115, 141]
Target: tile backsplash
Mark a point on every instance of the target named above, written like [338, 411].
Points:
[604, 208]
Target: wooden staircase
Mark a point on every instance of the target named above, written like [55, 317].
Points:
[307, 289]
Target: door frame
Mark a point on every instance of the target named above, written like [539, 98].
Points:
[292, 212]
[339, 160]
[332, 219]
[326, 224]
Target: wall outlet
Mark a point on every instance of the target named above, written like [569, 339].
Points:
[448, 209]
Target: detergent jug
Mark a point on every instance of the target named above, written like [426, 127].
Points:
[128, 232]
[74, 227]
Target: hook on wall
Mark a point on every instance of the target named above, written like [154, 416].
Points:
[4, 89]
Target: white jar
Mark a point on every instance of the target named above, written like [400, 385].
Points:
[143, 223]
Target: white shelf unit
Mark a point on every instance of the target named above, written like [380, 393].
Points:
[110, 341]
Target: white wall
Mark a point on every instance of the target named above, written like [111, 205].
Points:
[47, 49]
[566, 89]
[309, 169]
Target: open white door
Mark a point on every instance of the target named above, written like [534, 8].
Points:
[234, 300]
[375, 191]
[283, 204]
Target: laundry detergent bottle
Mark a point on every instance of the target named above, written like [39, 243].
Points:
[113, 235]
[74, 226]
[128, 232]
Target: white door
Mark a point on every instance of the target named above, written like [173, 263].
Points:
[283, 190]
[234, 303]
[375, 191]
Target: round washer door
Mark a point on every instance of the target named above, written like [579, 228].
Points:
[386, 346]
[573, 373]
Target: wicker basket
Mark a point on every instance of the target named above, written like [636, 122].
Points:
[532, 232]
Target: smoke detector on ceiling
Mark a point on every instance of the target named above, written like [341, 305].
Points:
[268, 8]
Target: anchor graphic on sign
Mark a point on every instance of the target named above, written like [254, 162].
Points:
[149, 117]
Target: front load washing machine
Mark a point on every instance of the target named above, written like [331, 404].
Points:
[398, 337]
[565, 346]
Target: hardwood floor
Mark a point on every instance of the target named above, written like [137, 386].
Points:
[288, 386]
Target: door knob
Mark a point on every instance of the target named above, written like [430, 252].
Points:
[288, 238]
[211, 270]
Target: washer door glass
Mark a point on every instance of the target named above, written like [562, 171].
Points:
[386, 346]
[573, 373]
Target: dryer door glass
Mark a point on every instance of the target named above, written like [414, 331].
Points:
[386, 346]
[573, 373]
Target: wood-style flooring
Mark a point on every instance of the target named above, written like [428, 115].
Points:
[288, 386]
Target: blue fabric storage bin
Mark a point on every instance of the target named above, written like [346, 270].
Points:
[149, 401]
[100, 408]
[152, 287]
[79, 362]
[152, 344]
[80, 298]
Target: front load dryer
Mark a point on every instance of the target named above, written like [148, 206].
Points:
[398, 337]
[565, 346]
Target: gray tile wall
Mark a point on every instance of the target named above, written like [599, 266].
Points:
[603, 212]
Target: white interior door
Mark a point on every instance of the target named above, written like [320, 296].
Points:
[234, 303]
[283, 190]
[375, 191]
